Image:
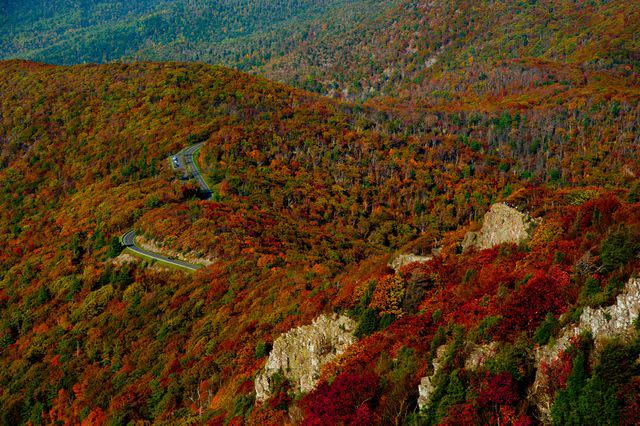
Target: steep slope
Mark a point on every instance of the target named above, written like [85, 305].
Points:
[311, 198]
[445, 48]
[431, 51]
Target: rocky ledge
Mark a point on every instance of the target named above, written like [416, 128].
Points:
[501, 224]
[300, 353]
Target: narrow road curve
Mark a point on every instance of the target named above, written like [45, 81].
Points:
[186, 157]
[128, 240]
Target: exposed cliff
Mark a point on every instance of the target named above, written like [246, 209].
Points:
[501, 224]
[602, 323]
[404, 259]
[427, 385]
[300, 353]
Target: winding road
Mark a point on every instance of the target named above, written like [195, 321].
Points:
[187, 163]
[128, 240]
[186, 157]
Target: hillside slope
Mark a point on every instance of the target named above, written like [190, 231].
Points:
[413, 50]
[441, 48]
[312, 198]
[240, 33]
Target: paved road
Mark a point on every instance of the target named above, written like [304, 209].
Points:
[186, 158]
[128, 240]
[187, 163]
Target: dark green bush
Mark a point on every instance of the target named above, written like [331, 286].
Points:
[368, 323]
[618, 248]
[115, 247]
[593, 399]
[547, 329]
[262, 349]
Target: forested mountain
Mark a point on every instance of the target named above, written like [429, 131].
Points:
[355, 49]
[241, 33]
[312, 197]
[440, 48]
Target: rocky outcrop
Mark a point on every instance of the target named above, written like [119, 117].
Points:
[405, 259]
[616, 319]
[479, 354]
[606, 322]
[427, 384]
[501, 224]
[300, 353]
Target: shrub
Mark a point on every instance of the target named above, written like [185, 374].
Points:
[634, 193]
[618, 362]
[115, 247]
[349, 399]
[368, 323]
[514, 359]
[548, 328]
[456, 393]
[262, 349]
[499, 389]
[618, 248]
[388, 295]
[243, 405]
[595, 399]
[485, 329]
[94, 303]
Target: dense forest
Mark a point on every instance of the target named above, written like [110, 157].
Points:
[241, 33]
[312, 197]
[438, 49]
[358, 49]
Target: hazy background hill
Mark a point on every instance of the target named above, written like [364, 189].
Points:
[241, 33]
[355, 49]
[436, 48]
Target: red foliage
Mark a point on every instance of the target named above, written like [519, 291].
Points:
[499, 389]
[544, 292]
[630, 395]
[96, 417]
[523, 420]
[346, 401]
[558, 372]
[461, 415]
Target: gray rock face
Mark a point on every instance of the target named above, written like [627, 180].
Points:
[425, 390]
[301, 352]
[405, 259]
[615, 319]
[604, 322]
[501, 224]
[427, 385]
[479, 354]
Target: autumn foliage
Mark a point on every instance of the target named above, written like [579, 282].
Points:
[312, 198]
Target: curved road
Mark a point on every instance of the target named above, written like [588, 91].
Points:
[184, 157]
[128, 240]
